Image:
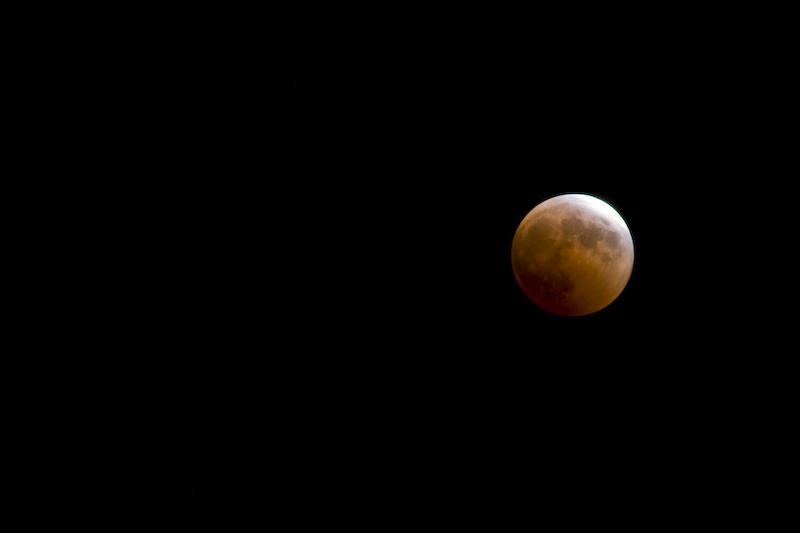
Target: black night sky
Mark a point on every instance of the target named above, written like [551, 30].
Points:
[341, 317]
[265, 268]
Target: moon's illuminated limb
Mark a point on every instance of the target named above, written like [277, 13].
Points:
[572, 254]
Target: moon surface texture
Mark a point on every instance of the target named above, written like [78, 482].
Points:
[572, 254]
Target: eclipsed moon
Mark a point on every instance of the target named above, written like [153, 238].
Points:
[572, 254]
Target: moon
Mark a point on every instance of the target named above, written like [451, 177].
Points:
[572, 255]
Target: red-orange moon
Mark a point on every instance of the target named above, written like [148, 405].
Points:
[572, 254]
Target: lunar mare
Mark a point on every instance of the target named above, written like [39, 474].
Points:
[572, 255]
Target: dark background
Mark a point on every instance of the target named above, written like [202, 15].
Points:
[406, 368]
[285, 264]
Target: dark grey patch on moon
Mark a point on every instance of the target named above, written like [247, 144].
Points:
[572, 226]
[612, 238]
[591, 235]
